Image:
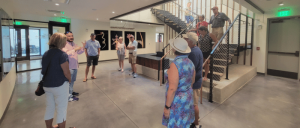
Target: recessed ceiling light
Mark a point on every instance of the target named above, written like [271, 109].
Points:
[97, 19]
[113, 12]
[57, 4]
[281, 3]
[54, 14]
[121, 21]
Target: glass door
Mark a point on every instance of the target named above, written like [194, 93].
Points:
[22, 43]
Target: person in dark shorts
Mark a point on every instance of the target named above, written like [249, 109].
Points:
[92, 51]
[206, 46]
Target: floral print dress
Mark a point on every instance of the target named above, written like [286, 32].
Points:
[182, 112]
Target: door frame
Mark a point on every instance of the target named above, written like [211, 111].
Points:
[26, 27]
[52, 24]
[269, 20]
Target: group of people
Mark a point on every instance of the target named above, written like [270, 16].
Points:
[184, 77]
[60, 63]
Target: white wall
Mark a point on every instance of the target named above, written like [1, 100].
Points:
[7, 86]
[142, 16]
[83, 28]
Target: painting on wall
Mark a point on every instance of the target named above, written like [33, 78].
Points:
[141, 39]
[126, 39]
[114, 38]
[102, 37]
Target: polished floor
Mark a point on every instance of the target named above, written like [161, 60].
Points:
[116, 100]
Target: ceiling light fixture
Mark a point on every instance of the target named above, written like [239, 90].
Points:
[54, 14]
[113, 12]
[57, 4]
[97, 19]
[280, 3]
[121, 21]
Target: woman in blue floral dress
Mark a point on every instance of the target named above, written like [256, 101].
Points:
[179, 109]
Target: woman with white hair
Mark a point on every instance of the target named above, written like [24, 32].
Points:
[179, 107]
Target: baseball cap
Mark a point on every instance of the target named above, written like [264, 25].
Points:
[92, 34]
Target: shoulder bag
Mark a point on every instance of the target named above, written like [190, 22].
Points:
[40, 90]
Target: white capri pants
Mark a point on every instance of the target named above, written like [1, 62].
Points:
[57, 96]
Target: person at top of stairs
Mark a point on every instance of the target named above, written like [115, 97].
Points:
[206, 46]
[199, 24]
[188, 16]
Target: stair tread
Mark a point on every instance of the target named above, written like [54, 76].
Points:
[217, 73]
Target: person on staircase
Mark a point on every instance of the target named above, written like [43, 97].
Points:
[206, 46]
[197, 58]
[199, 24]
[188, 16]
[218, 21]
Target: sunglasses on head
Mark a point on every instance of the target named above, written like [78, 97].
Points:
[68, 32]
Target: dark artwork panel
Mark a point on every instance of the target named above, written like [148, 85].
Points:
[125, 36]
[114, 37]
[102, 37]
[141, 39]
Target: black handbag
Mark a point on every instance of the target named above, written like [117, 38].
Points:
[40, 90]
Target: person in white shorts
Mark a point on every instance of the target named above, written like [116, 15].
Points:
[121, 51]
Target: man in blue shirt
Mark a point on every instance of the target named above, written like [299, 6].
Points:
[197, 58]
[92, 51]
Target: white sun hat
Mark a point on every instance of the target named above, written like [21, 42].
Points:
[180, 45]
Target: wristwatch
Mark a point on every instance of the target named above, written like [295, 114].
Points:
[167, 107]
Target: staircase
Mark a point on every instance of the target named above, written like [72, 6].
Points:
[169, 19]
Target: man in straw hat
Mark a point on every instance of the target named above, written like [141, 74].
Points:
[197, 58]
[218, 21]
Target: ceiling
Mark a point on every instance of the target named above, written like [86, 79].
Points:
[81, 9]
[272, 5]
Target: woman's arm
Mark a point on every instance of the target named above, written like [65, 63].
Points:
[173, 78]
[125, 49]
[66, 70]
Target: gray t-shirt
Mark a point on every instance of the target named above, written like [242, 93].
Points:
[219, 20]
[55, 76]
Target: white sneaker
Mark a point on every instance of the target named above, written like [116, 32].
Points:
[122, 70]
[119, 69]
[134, 75]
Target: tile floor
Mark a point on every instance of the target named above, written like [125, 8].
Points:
[116, 100]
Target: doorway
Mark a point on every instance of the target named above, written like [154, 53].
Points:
[58, 27]
[283, 47]
[22, 39]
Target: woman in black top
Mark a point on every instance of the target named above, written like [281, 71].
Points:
[55, 67]
[206, 46]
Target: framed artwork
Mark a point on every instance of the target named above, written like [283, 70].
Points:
[125, 36]
[141, 39]
[114, 38]
[102, 37]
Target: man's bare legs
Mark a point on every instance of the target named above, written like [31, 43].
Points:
[86, 72]
[93, 71]
[49, 124]
[196, 115]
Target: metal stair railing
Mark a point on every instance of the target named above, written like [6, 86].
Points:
[220, 53]
[162, 60]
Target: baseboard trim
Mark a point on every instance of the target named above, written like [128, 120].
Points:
[292, 75]
[259, 73]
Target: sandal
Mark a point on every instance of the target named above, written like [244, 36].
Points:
[84, 80]
[93, 77]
